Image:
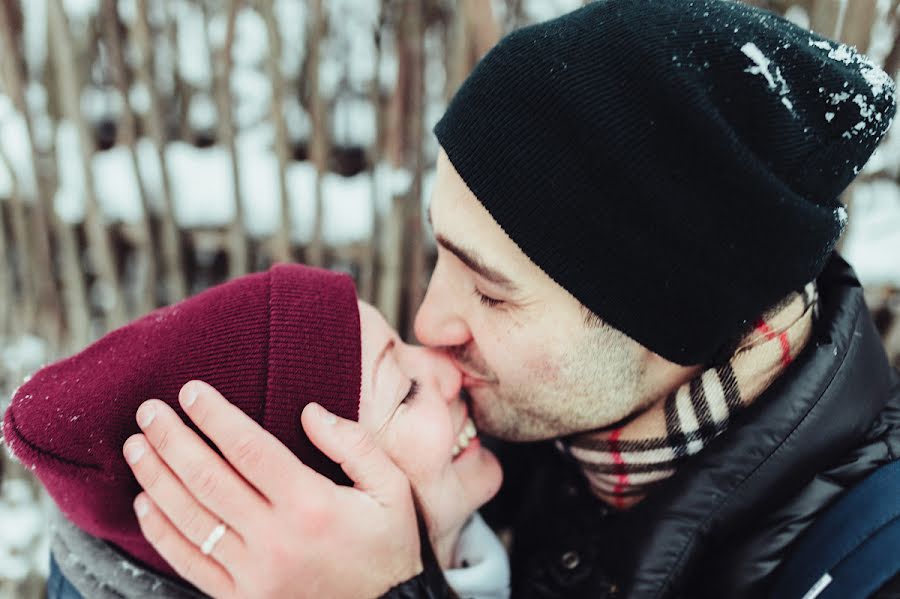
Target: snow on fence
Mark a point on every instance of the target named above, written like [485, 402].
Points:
[149, 149]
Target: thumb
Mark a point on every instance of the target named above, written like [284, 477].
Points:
[350, 445]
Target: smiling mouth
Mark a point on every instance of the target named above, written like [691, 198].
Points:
[465, 436]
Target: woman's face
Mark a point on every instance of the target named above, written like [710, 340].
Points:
[410, 399]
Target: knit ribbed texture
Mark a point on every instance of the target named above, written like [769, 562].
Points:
[269, 342]
[674, 164]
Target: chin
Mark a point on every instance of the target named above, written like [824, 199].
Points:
[498, 419]
[481, 475]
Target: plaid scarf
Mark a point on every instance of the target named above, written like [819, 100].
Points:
[624, 463]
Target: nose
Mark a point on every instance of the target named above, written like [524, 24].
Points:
[433, 369]
[448, 378]
[438, 323]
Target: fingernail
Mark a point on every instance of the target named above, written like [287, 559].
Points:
[325, 415]
[190, 395]
[141, 507]
[134, 452]
[146, 414]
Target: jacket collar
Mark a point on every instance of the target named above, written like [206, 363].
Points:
[803, 423]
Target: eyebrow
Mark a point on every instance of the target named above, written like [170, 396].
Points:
[388, 346]
[472, 260]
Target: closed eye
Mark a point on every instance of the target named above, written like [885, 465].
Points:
[413, 391]
[487, 300]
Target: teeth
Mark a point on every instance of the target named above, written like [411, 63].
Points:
[468, 433]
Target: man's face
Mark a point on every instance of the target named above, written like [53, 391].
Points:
[532, 365]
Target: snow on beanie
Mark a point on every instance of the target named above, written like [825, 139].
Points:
[269, 342]
[674, 164]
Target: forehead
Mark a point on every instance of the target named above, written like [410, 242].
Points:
[374, 331]
[457, 215]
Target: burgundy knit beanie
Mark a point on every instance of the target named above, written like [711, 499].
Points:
[269, 342]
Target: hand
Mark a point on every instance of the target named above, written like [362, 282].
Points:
[290, 532]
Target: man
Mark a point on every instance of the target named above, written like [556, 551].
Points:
[635, 209]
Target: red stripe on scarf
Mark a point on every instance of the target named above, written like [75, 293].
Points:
[622, 481]
[763, 327]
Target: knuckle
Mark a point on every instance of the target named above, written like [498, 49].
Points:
[190, 524]
[200, 414]
[189, 567]
[281, 559]
[364, 445]
[396, 479]
[205, 483]
[153, 530]
[315, 519]
[162, 441]
[247, 453]
[151, 478]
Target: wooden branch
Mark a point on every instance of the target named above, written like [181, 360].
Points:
[367, 275]
[319, 141]
[475, 31]
[95, 228]
[7, 300]
[222, 63]
[23, 320]
[840, 19]
[128, 132]
[44, 222]
[282, 241]
[414, 46]
[170, 239]
[403, 273]
[892, 60]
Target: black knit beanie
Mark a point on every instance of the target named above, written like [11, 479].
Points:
[674, 164]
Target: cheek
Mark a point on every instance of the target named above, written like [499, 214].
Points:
[421, 446]
[542, 367]
[517, 357]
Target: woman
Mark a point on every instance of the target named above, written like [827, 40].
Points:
[271, 343]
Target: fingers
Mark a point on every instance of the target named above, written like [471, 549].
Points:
[200, 472]
[351, 446]
[254, 452]
[187, 560]
[168, 493]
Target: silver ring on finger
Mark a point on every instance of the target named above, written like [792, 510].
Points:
[214, 537]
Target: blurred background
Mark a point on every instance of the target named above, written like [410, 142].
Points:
[152, 148]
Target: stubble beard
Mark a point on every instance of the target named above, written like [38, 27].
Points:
[599, 382]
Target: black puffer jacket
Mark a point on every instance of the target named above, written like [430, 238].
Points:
[722, 525]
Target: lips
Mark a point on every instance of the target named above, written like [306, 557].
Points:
[471, 379]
